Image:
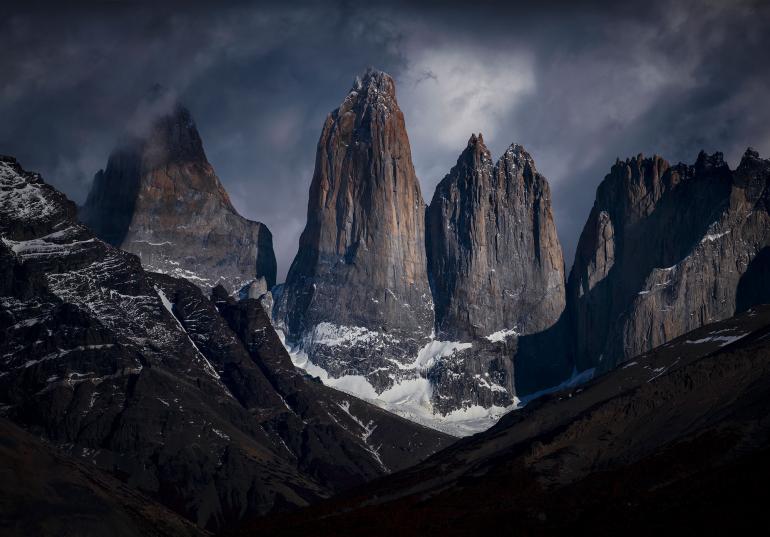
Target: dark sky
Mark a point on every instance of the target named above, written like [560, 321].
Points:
[577, 85]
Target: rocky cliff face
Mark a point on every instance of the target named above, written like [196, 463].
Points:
[667, 249]
[494, 258]
[357, 307]
[193, 402]
[357, 298]
[159, 198]
[496, 271]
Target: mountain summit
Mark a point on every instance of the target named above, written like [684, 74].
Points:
[358, 303]
[667, 249]
[357, 294]
[160, 199]
[495, 259]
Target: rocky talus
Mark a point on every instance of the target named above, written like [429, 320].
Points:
[160, 199]
[667, 249]
[357, 298]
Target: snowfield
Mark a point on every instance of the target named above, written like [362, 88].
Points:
[409, 398]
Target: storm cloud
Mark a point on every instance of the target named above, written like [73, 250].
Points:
[577, 85]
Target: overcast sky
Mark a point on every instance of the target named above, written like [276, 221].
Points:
[577, 86]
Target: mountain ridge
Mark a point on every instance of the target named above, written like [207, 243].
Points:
[664, 249]
[140, 375]
[674, 440]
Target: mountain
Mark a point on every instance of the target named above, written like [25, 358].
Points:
[667, 249]
[356, 298]
[676, 441]
[497, 275]
[140, 376]
[160, 199]
[46, 493]
[494, 258]
[357, 307]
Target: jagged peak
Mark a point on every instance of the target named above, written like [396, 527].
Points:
[750, 161]
[638, 161]
[374, 88]
[476, 140]
[161, 128]
[374, 79]
[518, 157]
[641, 159]
[517, 150]
[750, 154]
[646, 170]
[704, 160]
[475, 153]
[476, 146]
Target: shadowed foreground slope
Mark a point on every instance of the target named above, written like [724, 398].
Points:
[46, 493]
[676, 440]
[140, 375]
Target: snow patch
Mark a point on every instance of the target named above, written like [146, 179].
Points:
[502, 335]
[711, 237]
[170, 308]
[355, 385]
[410, 398]
[434, 350]
[368, 429]
[722, 340]
[220, 434]
[576, 379]
[21, 199]
[332, 335]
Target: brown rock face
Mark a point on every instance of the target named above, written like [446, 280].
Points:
[160, 199]
[494, 256]
[361, 260]
[668, 249]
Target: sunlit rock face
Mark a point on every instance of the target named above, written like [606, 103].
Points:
[357, 298]
[667, 249]
[159, 198]
[357, 306]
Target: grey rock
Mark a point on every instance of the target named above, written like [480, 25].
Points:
[668, 249]
[258, 290]
[496, 269]
[494, 257]
[160, 199]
